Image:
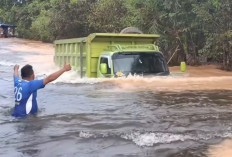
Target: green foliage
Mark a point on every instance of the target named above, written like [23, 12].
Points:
[215, 20]
[40, 26]
[69, 20]
[175, 21]
[109, 16]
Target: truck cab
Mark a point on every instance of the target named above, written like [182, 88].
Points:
[136, 61]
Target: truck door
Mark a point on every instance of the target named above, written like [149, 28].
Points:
[106, 60]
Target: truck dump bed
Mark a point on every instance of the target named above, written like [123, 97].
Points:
[83, 53]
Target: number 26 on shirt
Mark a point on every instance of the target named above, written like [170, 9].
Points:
[18, 94]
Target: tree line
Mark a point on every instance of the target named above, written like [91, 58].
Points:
[196, 31]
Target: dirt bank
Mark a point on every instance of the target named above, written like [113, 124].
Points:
[202, 71]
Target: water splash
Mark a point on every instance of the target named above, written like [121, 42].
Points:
[6, 63]
[149, 139]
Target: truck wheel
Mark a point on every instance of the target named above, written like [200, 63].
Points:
[131, 30]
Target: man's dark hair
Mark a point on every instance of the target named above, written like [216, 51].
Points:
[27, 71]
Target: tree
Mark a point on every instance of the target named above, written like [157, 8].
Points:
[175, 22]
[214, 18]
[109, 16]
[69, 19]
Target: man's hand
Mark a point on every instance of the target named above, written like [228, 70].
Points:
[16, 69]
[67, 67]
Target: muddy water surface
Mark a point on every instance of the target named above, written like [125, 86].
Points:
[184, 114]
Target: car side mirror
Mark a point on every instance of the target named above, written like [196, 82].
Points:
[103, 68]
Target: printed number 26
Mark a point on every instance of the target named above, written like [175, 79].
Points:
[18, 94]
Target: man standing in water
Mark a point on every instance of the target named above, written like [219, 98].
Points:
[25, 90]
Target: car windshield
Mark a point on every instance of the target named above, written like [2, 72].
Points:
[139, 63]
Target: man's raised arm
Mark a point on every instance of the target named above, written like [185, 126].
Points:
[16, 70]
[56, 74]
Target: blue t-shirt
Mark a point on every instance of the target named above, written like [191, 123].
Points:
[25, 96]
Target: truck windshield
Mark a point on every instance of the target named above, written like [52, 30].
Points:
[140, 63]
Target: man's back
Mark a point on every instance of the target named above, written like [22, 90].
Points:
[26, 90]
[25, 96]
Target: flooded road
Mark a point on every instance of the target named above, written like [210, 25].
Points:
[182, 115]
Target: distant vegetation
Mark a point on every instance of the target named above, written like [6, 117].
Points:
[195, 30]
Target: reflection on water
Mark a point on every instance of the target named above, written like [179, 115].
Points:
[180, 115]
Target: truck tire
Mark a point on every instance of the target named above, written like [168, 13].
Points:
[131, 30]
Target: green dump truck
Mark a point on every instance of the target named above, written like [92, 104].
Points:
[112, 55]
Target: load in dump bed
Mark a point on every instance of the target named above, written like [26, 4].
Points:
[112, 55]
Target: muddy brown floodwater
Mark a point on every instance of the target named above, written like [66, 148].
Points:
[182, 115]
